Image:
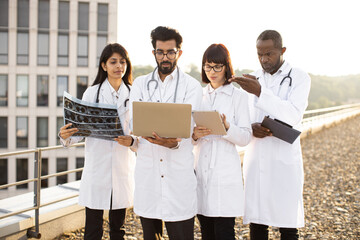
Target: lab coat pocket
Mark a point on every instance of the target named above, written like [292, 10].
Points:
[229, 165]
[288, 154]
[182, 158]
[144, 155]
[97, 167]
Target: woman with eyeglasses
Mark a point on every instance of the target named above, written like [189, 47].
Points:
[218, 165]
[107, 181]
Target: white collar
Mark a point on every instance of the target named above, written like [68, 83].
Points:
[114, 93]
[227, 89]
[169, 77]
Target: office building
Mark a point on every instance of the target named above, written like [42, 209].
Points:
[47, 47]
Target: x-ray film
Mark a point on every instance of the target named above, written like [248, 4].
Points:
[96, 120]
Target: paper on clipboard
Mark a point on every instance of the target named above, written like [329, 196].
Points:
[211, 120]
[172, 120]
[281, 130]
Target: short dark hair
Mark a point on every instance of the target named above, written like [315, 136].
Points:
[108, 51]
[164, 34]
[217, 53]
[271, 35]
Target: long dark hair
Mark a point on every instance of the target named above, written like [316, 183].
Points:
[217, 53]
[108, 51]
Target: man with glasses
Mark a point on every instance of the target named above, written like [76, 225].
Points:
[165, 183]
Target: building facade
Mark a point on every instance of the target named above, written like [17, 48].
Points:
[46, 47]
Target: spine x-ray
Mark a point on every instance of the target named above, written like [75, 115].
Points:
[96, 120]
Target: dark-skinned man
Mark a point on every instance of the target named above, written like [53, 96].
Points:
[273, 168]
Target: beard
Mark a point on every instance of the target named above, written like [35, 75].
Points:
[272, 68]
[166, 70]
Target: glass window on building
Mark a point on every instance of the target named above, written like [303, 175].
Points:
[61, 165]
[59, 124]
[23, 13]
[62, 85]
[42, 94]
[3, 172]
[21, 171]
[81, 85]
[102, 17]
[4, 46]
[101, 43]
[4, 132]
[44, 171]
[21, 132]
[22, 57]
[4, 25]
[22, 90]
[42, 132]
[3, 90]
[79, 164]
[63, 17]
[43, 14]
[4, 13]
[63, 50]
[83, 19]
[43, 49]
[82, 59]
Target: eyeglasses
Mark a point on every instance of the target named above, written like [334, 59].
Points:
[171, 55]
[217, 68]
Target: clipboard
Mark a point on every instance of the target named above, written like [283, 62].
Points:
[211, 120]
[280, 129]
[172, 120]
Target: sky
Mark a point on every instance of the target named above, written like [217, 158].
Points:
[322, 37]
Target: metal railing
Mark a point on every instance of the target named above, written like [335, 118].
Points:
[309, 116]
[319, 118]
[37, 184]
[316, 112]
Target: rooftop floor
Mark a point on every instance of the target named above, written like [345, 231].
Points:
[331, 191]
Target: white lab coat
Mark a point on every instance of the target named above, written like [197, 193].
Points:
[109, 166]
[165, 182]
[218, 166]
[273, 169]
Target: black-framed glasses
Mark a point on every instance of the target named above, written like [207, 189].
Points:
[171, 55]
[217, 68]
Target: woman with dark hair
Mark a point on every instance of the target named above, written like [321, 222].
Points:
[107, 181]
[217, 162]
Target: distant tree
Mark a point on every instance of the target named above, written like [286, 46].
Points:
[142, 70]
[243, 71]
[325, 91]
[194, 72]
[333, 91]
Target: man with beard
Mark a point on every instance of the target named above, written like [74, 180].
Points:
[273, 169]
[165, 183]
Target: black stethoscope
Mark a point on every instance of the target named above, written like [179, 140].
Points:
[283, 80]
[157, 84]
[98, 91]
[289, 77]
